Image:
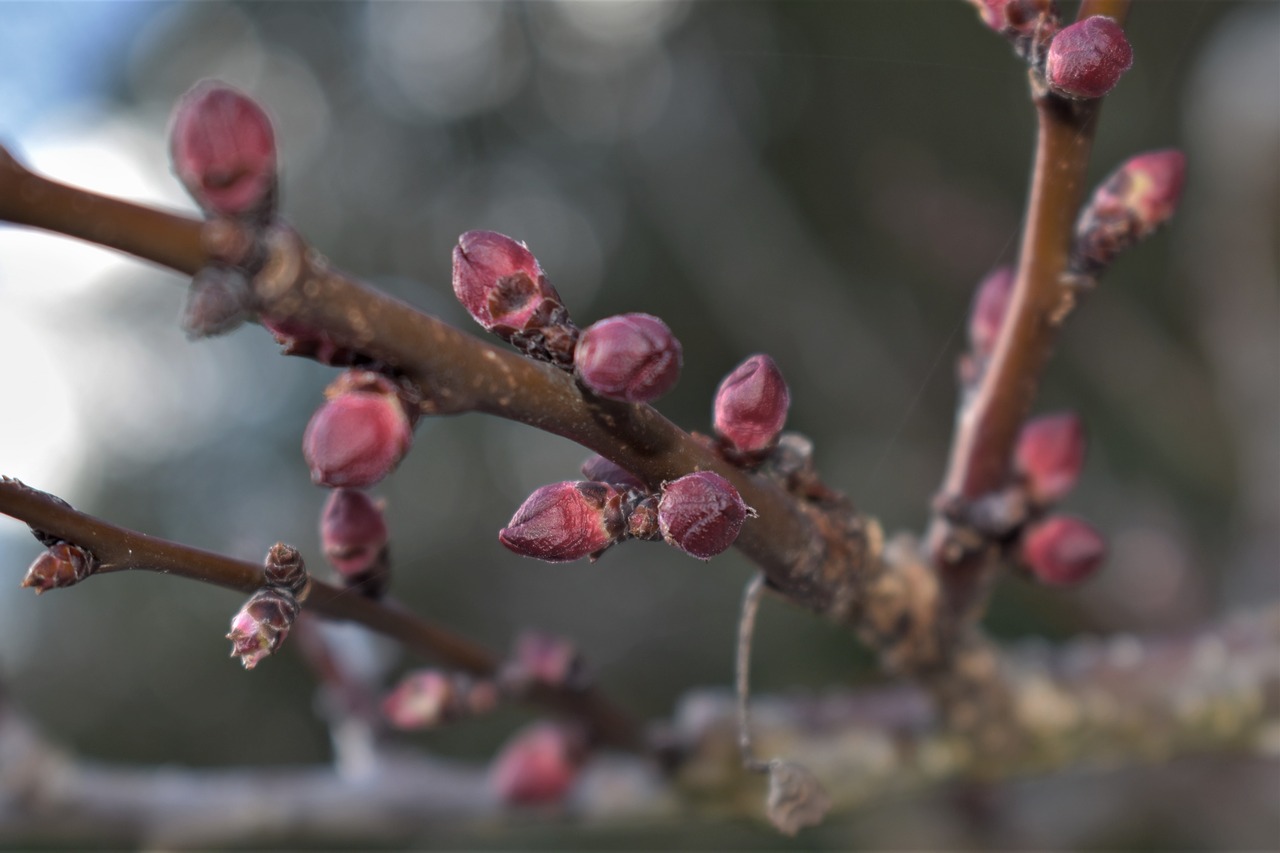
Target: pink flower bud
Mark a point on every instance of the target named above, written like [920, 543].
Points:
[262, 624]
[285, 568]
[1062, 550]
[605, 471]
[701, 514]
[546, 659]
[1131, 203]
[360, 433]
[1088, 58]
[61, 564]
[224, 151]
[353, 531]
[299, 340]
[217, 302]
[1050, 455]
[499, 282]
[751, 406]
[1016, 17]
[630, 357]
[565, 521]
[537, 766]
[987, 313]
[421, 700]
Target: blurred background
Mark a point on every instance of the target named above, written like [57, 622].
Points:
[822, 181]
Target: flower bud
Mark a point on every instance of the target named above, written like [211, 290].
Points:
[537, 766]
[285, 568]
[605, 471]
[262, 624]
[1062, 550]
[701, 514]
[297, 339]
[360, 433]
[224, 151]
[217, 302]
[751, 406]
[565, 521]
[1028, 24]
[422, 700]
[1088, 58]
[1050, 454]
[1129, 205]
[353, 531]
[987, 313]
[499, 282]
[61, 564]
[630, 357]
[546, 659]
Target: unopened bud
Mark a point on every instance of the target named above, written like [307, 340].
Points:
[360, 433]
[1026, 23]
[217, 302]
[796, 798]
[606, 471]
[751, 406]
[988, 310]
[630, 357]
[1050, 454]
[546, 659]
[1062, 550]
[1087, 59]
[296, 339]
[262, 624]
[61, 564]
[1130, 204]
[537, 766]
[701, 514]
[565, 521]
[421, 700]
[285, 568]
[353, 531]
[499, 282]
[224, 151]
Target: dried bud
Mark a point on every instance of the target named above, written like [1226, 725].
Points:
[217, 302]
[1062, 550]
[1050, 455]
[62, 564]
[537, 766]
[262, 624]
[630, 357]
[751, 406]
[546, 659]
[1088, 58]
[360, 433]
[796, 797]
[353, 532]
[987, 313]
[565, 521]
[224, 151]
[499, 282]
[1132, 203]
[642, 518]
[604, 471]
[422, 700]
[701, 514]
[285, 568]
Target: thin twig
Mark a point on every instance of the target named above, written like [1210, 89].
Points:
[742, 682]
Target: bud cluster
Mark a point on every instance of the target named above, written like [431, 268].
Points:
[427, 698]
[261, 625]
[1128, 207]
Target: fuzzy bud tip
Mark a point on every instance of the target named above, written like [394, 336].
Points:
[1088, 58]
[751, 405]
[701, 514]
[224, 151]
[631, 357]
[565, 521]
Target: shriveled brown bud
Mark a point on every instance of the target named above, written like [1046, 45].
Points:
[1088, 58]
[538, 765]
[1050, 454]
[751, 406]
[259, 629]
[361, 432]
[796, 798]
[642, 518]
[631, 357]
[1062, 550]
[701, 514]
[224, 151]
[61, 564]
[1129, 206]
[565, 521]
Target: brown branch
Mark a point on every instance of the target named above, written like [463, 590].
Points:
[119, 549]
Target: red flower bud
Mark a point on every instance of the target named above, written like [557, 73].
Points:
[1130, 204]
[538, 765]
[262, 624]
[1088, 58]
[61, 564]
[701, 514]
[1050, 455]
[360, 433]
[499, 282]
[353, 532]
[224, 151]
[1062, 550]
[1016, 17]
[630, 357]
[987, 313]
[565, 521]
[421, 700]
[605, 471]
[751, 405]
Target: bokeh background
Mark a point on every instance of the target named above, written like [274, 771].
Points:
[822, 181]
